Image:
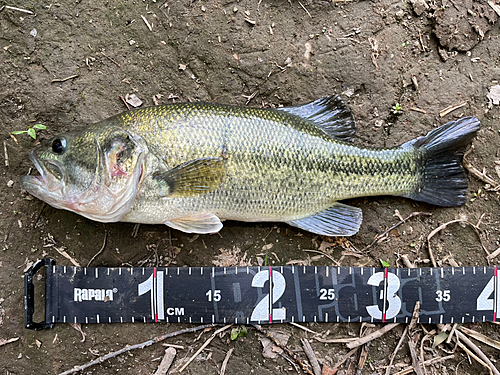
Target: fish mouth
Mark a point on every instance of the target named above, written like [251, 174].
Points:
[49, 183]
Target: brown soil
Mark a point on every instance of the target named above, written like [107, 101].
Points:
[373, 53]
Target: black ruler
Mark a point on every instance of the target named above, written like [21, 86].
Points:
[263, 295]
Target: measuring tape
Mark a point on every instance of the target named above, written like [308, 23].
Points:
[263, 295]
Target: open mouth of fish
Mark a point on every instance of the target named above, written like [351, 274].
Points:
[51, 177]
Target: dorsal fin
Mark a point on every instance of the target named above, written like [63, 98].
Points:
[330, 114]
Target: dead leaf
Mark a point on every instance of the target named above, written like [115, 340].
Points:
[133, 100]
[328, 371]
[494, 96]
[270, 350]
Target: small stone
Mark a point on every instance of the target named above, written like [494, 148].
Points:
[10, 183]
[131, 42]
[33, 33]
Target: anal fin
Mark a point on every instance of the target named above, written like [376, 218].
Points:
[338, 220]
[201, 224]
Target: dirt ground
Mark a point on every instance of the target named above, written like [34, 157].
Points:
[424, 55]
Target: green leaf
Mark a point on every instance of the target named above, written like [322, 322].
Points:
[234, 333]
[243, 331]
[40, 126]
[385, 264]
[19, 132]
[238, 332]
[32, 133]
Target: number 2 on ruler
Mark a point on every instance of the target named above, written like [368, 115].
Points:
[261, 311]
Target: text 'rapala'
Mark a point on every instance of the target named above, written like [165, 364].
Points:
[82, 294]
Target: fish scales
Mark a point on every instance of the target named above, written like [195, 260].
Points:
[191, 165]
[278, 166]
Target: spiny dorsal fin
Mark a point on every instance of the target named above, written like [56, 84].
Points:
[330, 114]
[191, 178]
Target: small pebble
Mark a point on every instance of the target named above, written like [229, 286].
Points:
[10, 183]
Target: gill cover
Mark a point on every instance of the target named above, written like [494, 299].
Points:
[121, 159]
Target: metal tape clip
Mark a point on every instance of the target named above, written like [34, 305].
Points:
[29, 295]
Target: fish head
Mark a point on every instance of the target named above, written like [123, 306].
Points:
[95, 173]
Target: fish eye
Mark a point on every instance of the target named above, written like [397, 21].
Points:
[58, 146]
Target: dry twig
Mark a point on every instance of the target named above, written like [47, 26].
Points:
[102, 247]
[480, 337]
[441, 227]
[478, 352]
[226, 360]
[324, 254]
[304, 328]
[451, 108]
[409, 327]
[311, 356]
[137, 346]
[166, 362]
[379, 237]
[480, 175]
[8, 341]
[6, 155]
[18, 9]
[432, 361]
[372, 336]
[205, 344]
[64, 79]
[417, 366]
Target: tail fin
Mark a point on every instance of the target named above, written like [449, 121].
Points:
[444, 182]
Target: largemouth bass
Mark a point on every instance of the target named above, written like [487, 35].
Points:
[192, 165]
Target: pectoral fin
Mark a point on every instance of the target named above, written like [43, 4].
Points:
[338, 220]
[202, 224]
[194, 177]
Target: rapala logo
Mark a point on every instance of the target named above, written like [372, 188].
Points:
[82, 294]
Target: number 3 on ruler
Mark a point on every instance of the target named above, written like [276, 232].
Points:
[261, 311]
[391, 297]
